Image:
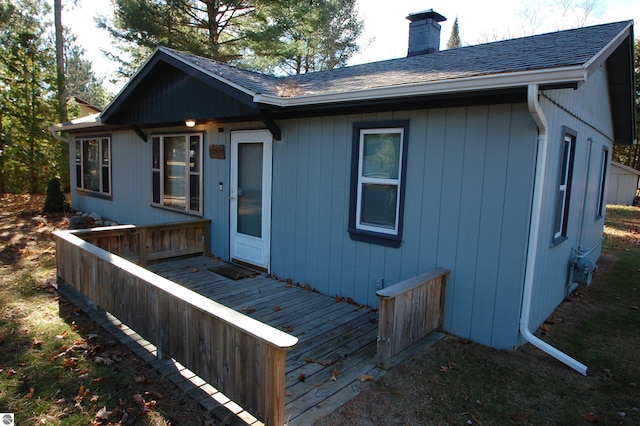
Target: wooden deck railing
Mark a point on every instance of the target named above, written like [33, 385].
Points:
[141, 244]
[241, 357]
[408, 311]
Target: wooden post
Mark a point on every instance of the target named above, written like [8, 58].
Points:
[142, 246]
[409, 310]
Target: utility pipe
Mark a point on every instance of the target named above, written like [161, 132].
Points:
[534, 235]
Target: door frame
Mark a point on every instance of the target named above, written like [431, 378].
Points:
[260, 247]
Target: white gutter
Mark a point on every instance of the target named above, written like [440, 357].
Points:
[534, 235]
[563, 75]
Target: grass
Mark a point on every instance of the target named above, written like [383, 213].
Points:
[53, 368]
[460, 382]
[56, 365]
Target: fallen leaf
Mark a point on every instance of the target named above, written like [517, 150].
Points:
[36, 343]
[326, 362]
[154, 395]
[63, 335]
[247, 310]
[139, 379]
[287, 393]
[30, 394]
[307, 287]
[310, 360]
[301, 377]
[339, 299]
[103, 414]
[70, 362]
[277, 309]
[334, 375]
[288, 328]
[590, 417]
[365, 378]
[99, 379]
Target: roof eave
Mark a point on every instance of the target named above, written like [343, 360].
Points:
[548, 77]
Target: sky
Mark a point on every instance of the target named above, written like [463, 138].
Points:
[386, 27]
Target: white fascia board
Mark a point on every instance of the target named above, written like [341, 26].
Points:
[574, 74]
[87, 122]
[604, 53]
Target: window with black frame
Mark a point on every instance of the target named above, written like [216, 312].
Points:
[377, 187]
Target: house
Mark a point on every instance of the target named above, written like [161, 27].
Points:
[624, 184]
[488, 160]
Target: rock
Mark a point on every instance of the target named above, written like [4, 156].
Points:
[98, 222]
[76, 222]
[95, 216]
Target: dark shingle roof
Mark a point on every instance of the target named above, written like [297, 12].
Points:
[552, 50]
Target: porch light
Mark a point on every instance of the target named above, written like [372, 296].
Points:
[190, 122]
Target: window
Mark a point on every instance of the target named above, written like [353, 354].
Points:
[377, 182]
[93, 165]
[564, 187]
[176, 169]
[603, 181]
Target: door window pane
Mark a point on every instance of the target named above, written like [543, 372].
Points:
[249, 218]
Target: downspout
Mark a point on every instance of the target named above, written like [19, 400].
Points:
[534, 235]
[56, 135]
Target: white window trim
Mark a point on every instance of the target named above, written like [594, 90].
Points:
[187, 176]
[362, 180]
[604, 164]
[79, 162]
[564, 183]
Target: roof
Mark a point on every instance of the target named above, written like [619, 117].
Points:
[552, 60]
[627, 169]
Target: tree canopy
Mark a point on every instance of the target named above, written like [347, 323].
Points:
[454, 39]
[266, 35]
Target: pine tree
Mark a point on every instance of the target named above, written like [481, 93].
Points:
[454, 39]
[27, 96]
[266, 35]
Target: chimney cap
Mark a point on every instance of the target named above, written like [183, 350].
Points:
[426, 14]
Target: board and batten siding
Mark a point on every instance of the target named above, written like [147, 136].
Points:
[467, 204]
[131, 181]
[623, 184]
[587, 112]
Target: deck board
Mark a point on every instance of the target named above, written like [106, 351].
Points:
[332, 334]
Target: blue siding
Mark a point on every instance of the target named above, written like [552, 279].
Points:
[588, 112]
[463, 202]
[467, 207]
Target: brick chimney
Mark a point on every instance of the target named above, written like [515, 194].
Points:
[424, 32]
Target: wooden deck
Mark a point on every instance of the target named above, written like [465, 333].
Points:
[337, 340]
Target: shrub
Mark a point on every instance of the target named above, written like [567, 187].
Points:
[55, 200]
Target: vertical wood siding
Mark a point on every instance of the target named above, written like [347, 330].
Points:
[468, 192]
[588, 112]
[467, 206]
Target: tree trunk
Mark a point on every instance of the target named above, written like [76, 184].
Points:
[62, 89]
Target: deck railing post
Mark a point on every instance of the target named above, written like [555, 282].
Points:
[409, 311]
[142, 245]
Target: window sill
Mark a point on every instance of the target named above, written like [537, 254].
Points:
[559, 240]
[174, 210]
[94, 194]
[393, 241]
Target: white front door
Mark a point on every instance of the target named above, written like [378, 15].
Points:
[250, 197]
